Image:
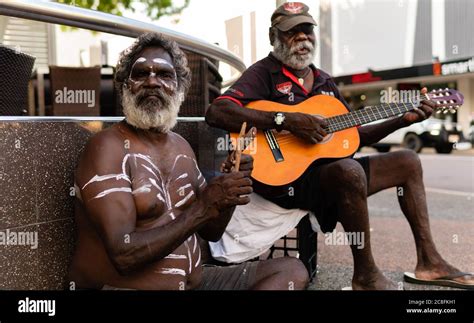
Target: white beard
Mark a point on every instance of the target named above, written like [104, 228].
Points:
[146, 117]
[289, 57]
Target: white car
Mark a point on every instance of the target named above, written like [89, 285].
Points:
[437, 133]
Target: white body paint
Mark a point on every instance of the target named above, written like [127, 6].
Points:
[173, 256]
[171, 271]
[162, 185]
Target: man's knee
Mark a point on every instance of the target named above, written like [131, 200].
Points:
[348, 175]
[290, 272]
[409, 161]
[298, 275]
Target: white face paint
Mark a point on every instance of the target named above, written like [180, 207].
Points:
[162, 61]
[153, 74]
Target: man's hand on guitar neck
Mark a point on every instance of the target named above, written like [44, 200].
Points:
[306, 126]
[423, 112]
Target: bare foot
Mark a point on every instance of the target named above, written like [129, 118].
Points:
[373, 281]
[442, 269]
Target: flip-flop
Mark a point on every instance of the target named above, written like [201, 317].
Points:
[447, 281]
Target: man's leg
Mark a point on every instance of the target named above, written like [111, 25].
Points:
[345, 185]
[403, 169]
[286, 273]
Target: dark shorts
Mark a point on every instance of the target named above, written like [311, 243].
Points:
[308, 194]
[236, 277]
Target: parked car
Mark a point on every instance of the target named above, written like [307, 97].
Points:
[437, 133]
[471, 134]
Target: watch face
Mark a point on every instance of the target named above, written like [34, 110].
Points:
[279, 118]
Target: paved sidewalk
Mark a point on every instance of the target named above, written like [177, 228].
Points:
[393, 244]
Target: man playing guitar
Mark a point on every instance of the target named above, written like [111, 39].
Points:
[336, 191]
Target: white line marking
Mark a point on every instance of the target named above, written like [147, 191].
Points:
[142, 189]
[450, 192]
[182, 176]
[171, 271]
[199, 259]
[183, 187]
[185, 199]
[160, 198]
[100, 178]
[195, 243]
[173, 256]
[189, 256]
[113, 190]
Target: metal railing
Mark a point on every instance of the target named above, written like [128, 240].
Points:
[75, 119]
[56, 13]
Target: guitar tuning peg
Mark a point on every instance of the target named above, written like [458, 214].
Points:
[446, 93]
[446, 89]
[451, 101]
[445, 111]
[439, 111]
[452, 110]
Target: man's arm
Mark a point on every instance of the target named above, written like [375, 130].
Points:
[228, 115]
[110, 206]
[213, 230]
[370, 134]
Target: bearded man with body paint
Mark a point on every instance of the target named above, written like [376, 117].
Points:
[142, 199]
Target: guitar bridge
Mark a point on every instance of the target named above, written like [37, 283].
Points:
[274, 146]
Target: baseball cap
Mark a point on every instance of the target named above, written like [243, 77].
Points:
[291, 14]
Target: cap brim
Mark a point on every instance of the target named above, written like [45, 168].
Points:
[294, 21]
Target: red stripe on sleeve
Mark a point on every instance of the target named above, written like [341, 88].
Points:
[230, 98]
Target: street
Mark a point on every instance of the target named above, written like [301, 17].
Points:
[449, 185]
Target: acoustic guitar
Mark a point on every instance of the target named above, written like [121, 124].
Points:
[280, 157]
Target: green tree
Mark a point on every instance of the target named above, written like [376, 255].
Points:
[154, 8]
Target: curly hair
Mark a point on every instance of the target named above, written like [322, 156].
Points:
[129, 56]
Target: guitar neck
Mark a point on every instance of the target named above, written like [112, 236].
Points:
[368, 114]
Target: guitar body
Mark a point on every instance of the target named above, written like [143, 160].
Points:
[298, 155]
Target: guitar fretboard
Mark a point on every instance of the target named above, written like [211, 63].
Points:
[368, 114]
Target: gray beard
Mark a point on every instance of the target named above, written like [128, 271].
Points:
[149, 116]
[289, 57]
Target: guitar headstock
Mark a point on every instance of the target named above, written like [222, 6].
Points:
[447, 100]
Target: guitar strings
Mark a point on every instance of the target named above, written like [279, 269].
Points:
[365, 115]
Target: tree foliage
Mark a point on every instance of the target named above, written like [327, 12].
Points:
[154, 8]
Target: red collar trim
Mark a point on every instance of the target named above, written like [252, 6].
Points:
[292, 77]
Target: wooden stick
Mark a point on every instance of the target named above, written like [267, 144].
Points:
[238, 151]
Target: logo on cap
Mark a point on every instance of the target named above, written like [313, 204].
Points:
[284, 88]
[293, 7]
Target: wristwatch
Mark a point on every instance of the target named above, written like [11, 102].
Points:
[278, 120]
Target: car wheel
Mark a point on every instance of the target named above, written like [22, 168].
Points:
[444, 148]
[413, 142]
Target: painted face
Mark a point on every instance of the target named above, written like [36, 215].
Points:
[153, 69]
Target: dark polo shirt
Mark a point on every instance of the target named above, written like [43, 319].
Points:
[268, 79]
